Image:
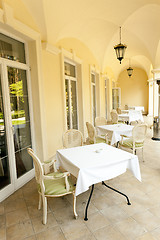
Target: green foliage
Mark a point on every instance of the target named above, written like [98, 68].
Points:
[18, 114]
[17, 89]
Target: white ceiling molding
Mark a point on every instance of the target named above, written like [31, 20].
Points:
[50, 48]
[7, 14]
[8, 19]
[71, 55]
[94, 69]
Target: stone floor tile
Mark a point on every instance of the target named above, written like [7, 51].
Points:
[96, 221]
[38, 226]
[10, 206]
[114, 214]
[146, 236]
[156, 233]
[102, 202]
[1, 208]
[130, 228]
[64, 215]
[3, 232]
[2, 220]
[50, 234]
[75, 230]
[108, 233]
[20, 215]
[147, 220]
[58, 203]
[19, 231]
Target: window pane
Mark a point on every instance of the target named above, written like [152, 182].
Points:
[11, 49]
[69, 69]
[67, 103]
[94, 102]
[4, 162]
[20, 118]
[93, 79]
[74, 105]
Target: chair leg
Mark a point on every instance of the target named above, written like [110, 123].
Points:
[44, 199]
[74, 206]
[40, 202]
[142, 155]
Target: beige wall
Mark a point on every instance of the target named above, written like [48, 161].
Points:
[53, 90]
[134, 90]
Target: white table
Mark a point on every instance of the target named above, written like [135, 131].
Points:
[131, 115]
[115, 131]
[96, 163]
[138, 108]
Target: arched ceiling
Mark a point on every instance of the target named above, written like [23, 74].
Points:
[96, 24]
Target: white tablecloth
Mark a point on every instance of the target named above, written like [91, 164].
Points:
[115, 131]
[94, 163]
[132, 115]
[138, 108]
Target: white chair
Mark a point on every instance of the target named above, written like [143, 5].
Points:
[92, 138]
[119, 111]
[114, 116]
[137, 140]
[72, 138]
[99, 121]
[55, 184]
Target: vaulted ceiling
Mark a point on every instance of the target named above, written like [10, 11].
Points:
[96, 24]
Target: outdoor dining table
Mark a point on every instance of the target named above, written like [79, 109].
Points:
[115, 131]
[95, 163]
[131, 115]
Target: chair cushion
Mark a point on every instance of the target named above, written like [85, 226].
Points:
[129, 143]
[57, 186]
[100, 140]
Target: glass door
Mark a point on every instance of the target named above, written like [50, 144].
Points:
[4, 160]
[19, 110]
[16, 166]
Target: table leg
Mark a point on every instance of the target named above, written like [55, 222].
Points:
[88, 203]
[128, 202]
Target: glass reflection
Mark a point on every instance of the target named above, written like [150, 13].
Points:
[4, 163]
[20, 119]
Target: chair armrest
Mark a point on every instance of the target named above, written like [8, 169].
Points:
[48, 164]
[57, 176]
[107, 138]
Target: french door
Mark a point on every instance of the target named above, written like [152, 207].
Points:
[16, 166]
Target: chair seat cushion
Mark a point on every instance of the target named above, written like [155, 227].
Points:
[100, 140]
[57, 186]
[129, 143]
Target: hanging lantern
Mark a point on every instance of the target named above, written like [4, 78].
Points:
[120, 49]
[129, 70]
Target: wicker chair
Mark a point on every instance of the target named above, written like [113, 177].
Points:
[99, 121]
[55, 184]
[119, 111]
[137, 140]
[72, 138]
[92, 138]
[114, 116]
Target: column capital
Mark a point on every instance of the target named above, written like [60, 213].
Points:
[150, 80]
[155, 70]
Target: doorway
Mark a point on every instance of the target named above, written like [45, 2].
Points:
[16, 166]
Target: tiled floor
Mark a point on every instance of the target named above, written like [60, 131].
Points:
[110, 218]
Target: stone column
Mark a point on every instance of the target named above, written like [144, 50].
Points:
[150, 102]
[156, 76]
